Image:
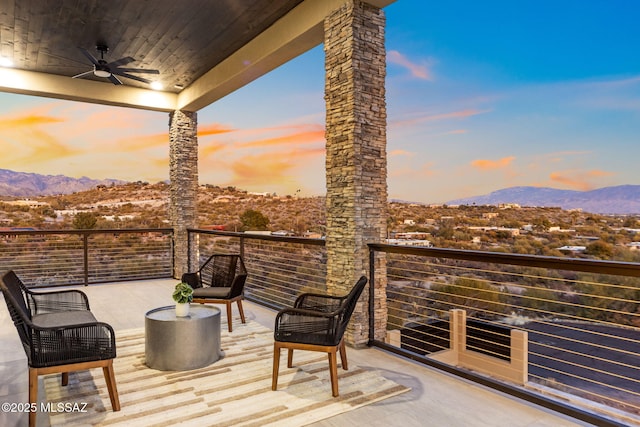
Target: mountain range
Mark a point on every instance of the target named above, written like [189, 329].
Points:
[622, 199]
[24, 184]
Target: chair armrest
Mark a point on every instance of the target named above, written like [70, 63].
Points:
[49, 302]
[318, 302]
[307, 326]
[237, 286]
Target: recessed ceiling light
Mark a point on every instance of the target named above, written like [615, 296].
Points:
[178, 86]
[156, 85]
[5, 62]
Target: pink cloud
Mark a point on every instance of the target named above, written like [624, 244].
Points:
[419, 71]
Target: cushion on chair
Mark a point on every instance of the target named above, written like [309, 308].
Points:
[63, 318]
[208, 292]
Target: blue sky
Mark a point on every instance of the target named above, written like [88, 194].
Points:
[480, 96]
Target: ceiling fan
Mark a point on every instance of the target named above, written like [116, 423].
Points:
[109, 70]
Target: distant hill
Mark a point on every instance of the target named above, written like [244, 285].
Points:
[24, 184]
[622, 199]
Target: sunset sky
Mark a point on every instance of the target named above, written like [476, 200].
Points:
[480, 96]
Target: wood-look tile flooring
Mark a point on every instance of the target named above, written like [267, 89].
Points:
[435, 399]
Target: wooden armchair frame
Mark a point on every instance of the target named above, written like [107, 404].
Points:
[316, 322]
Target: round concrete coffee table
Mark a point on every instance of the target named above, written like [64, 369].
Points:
[182, 343]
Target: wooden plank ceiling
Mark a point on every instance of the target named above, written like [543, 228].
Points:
[183, 39]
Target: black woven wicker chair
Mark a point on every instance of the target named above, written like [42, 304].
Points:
[316, 323]
[59, 335]
[220, 280]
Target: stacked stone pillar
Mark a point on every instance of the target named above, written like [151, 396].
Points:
[356, 161]
[183, 165]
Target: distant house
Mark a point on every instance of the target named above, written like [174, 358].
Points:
[406, 242]
[513, 231]
[561, 230]
[634, 246]
[27, 202]
[574, 249]
[489, 215]
[411, 235]
[508, 206]
[117, 217]
[409, 222]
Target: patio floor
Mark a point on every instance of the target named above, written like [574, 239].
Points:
[435, 399]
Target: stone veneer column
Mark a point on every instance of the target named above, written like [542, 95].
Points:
[183, 165]
[356, 156]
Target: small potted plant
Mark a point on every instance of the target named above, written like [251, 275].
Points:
[182, 295]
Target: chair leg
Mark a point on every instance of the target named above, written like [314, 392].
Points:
[110, 379]
[229, 319]
[276, 366]
[333, 372]
[290, 358]
[241, 310]
[343, 356]
[65, 378]
[33, 395]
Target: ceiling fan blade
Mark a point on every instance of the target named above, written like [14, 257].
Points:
[115, 80]
[86, 73]
[131, 76]
[122, 61]
[90, 57]
[136, 70]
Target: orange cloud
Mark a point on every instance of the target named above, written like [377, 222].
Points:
[302, 137]
[143, 142]
[211, 148]
[400, 153]
[274, 168]
[213, 129]
[456, 132]
[577, 179]
[416, 70]
[25, 142]
[484, 164]
[27, 121]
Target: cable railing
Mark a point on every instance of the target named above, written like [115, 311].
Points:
[280, 267]
[81, 257]
[582, 318]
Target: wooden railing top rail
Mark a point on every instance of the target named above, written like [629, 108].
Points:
[86, 231]
[299, 240]
[571, 264]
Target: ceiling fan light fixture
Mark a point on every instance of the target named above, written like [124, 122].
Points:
[156, 86]
[102, 73]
